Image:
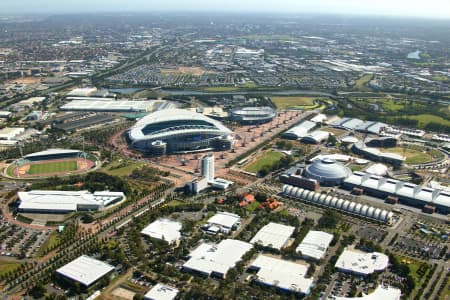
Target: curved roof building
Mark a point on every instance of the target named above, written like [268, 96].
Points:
[178, 131]
[253, 115]
[327, 171]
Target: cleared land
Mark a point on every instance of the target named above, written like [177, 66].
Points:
[53, 167]
[267, 159]
[294, 102]
[413, 156]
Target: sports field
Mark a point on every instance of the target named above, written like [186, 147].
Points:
[53, 167]
[413, 156]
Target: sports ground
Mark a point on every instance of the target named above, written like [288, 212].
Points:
[48, 168]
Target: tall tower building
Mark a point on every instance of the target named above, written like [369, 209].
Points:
[208, 167]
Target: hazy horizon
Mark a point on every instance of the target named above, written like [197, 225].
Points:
[403, 8]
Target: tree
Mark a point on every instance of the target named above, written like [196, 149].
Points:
[330, 219]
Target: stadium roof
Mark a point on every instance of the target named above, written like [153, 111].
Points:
[376, 152]
[111, 106]
[381, 292]
[362, 262]
[53, 151]
[173, 115]
[217, 258]
[163, 229]
[348, 123]
[161, 292]
[282, 274]
[273, 235]
[315, 244]
[224, 219]
[85, 270]
[65, 200]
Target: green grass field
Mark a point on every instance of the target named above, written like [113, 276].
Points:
[50, 242]
[6, 267]
[424, 119]
[413, 156]
[253, 206]
[122, 168]
[53, 167]
[294, 102]
[361, 83]
[267, 159]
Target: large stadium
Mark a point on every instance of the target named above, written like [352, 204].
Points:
[178, 131]
[51, 162]
[253, 115]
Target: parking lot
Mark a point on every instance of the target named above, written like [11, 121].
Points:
[20, 242]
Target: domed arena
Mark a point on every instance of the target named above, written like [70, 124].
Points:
[327, 172]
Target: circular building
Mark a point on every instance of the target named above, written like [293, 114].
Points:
[253, 115]
[327, 172]
[178, 131]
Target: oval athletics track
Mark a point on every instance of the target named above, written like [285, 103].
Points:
[53, 167]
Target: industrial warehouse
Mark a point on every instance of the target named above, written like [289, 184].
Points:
[164, 229]
[216, 259]
[62, 202]
[273, 235]
[178, 131]
[85, 270]
[282, 274]
[314, 245]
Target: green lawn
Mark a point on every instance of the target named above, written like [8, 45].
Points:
[269, 158]
[294, 102]
[221, 89]
[251, 207]
[6, 267]
[51, 241]
[424, 119]
[361, 83]
[175, 203]
[122, 169]
[413, 156]
[53, 167]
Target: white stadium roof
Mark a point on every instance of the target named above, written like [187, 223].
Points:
[282, 274]
[164, 229]
[315, 244]
[161, 292]
[224, 219]
[171, 115]
[273, 235]
[85, 270]
[362, 263]
[381, 292]
[217, 258]
[54, 151]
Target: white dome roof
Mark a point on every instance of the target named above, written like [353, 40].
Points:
[327, 170]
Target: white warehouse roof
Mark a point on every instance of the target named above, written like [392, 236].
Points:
[315, 244]
[217, 258]
[381, 292]
[163, 229]
[362, 263]
[273, 235]
[161, 292]
[64, 201]
[224, 219]
[112, 106]
[300, 130]
[283, 274]
[85, 270]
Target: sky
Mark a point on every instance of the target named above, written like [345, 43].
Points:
[415, 8]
